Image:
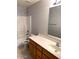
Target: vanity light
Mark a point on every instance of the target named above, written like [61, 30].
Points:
[57, 2]
[54, 3]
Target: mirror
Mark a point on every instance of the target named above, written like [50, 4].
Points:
[54, 22]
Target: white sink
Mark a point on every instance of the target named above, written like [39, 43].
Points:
[55, 49]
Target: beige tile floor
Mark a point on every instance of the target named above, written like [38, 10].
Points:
[23, 53]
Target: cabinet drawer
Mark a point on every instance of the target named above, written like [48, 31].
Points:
[50, 56]
[32, 42]
[39, 47]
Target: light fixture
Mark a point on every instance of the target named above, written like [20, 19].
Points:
[57, 2]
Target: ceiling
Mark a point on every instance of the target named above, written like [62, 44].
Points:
[26, 3]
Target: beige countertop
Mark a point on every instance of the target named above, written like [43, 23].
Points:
[46, 44]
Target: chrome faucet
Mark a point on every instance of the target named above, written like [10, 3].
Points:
[58, 44]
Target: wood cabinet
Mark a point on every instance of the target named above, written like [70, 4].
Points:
[32, 50]
[38, 52]
[44, 56]
[49, 55]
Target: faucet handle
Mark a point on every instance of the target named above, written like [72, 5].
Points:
[58, 44]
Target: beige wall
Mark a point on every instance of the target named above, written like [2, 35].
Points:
[39, 13]
[21, 11]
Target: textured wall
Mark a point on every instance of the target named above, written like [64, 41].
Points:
[21, 11]
[39, 13]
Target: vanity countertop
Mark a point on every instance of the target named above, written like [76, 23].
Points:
[45, 43]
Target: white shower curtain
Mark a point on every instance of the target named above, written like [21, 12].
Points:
[21, 29]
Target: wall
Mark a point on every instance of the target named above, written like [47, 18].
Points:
[21, 11]
[39, 13]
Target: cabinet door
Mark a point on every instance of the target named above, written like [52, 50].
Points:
[38, 54]
[44, 56]
[32, 50]
[37, 57]
[49, 55]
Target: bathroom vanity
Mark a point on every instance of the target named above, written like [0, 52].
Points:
[42, 48]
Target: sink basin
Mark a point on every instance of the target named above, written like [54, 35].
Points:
[55, 49]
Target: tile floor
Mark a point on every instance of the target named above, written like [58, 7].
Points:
[23, 53]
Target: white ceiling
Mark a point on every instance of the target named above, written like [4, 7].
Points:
[26, 3]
